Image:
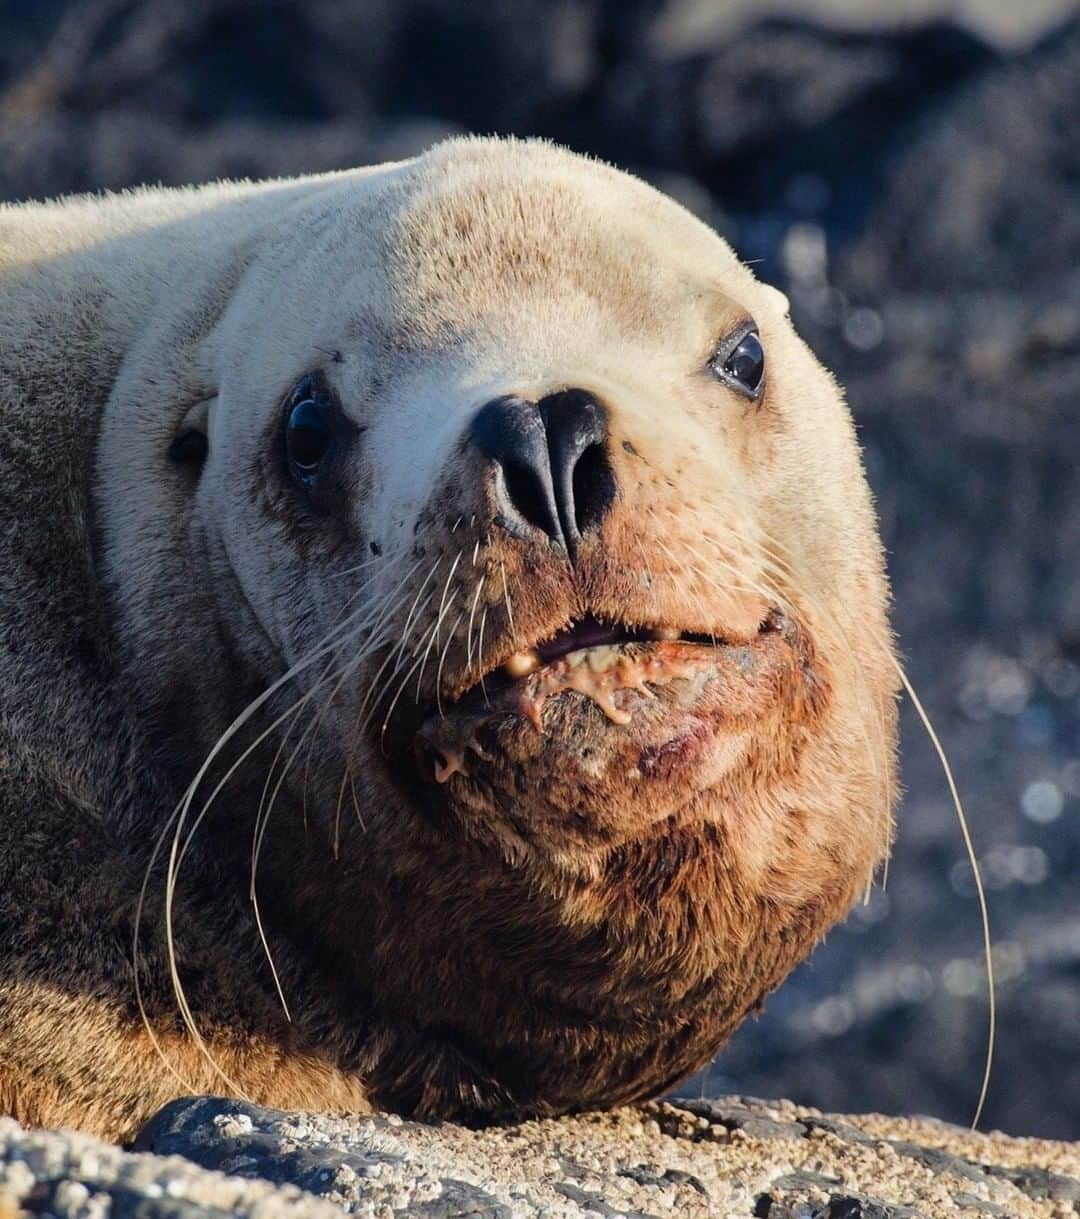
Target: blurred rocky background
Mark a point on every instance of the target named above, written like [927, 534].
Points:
[910, 175]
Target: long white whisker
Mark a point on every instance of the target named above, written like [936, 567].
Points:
[480, 655]
[442, 660]
[472, 616]
[506, 601]
[984, 912]
[174, 826]
[438, 622]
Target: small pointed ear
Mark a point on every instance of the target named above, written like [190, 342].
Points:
[191, 443]
[778, 299]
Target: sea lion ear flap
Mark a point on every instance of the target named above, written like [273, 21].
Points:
[777, 298]
[191, 443]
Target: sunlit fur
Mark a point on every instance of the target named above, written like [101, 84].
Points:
[320, 924]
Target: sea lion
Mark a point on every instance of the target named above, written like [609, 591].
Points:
[445, 644]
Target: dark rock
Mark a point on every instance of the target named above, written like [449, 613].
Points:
[644, 1175]
[1038, 1183]
[739, 1117]
[803, 1182]
[594, 1202]
[866, 1208]
[985, 194]
[842, 1130]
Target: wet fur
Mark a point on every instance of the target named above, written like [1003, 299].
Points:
[481, 950]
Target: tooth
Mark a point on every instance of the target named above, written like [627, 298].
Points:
[601, 658]
[664, 633]
[521, 664]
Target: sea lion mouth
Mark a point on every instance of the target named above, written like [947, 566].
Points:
[620, 669]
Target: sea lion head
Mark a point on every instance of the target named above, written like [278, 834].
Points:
[551, 541]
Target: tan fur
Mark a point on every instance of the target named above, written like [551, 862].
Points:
[564, 933]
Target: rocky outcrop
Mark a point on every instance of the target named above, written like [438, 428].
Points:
[735, 1157]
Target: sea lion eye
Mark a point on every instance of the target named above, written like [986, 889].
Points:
[309, 431]
[741, 364]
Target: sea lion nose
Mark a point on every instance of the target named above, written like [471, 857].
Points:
[551, 464]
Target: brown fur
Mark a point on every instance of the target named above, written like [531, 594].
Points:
[583, 917]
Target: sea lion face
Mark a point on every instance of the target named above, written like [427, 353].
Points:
[564, 537]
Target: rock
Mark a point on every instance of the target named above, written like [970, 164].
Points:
[783, 114]
[731, 1157]
[984, 195]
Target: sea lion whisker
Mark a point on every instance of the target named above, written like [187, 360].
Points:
[355, 800]
[442, 659]
[363, 565]
[964, 830]
[374, 695]
[172, 875]
[263, 812]
[645, 564]
[480, 656]
[263, 816]
[274, 762]
[140, 1002]
[346, 781]
[439, 616]
[342, 675]
[394, 654]
[431, 636]
[390, 593]
[380, 614]
[266, 807]
[980, 888]
[176, 856]
[179, 813]
[337, 813]
[371, 624]
[784, 572]
[506, 602]
[703, 572]
[472, 617]
[406, 629]
[256, 840]
[420, 655]
[326, 645]
[418, 663]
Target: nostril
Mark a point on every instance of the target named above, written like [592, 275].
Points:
[510, 432]
[593, 487]
[584, 484]
[550, 462]
[527, 493]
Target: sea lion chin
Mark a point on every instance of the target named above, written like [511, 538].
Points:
[482, 692]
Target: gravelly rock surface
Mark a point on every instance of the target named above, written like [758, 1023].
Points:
[732, 1156]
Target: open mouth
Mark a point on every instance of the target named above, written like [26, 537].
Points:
[591, 658]
[591, 633]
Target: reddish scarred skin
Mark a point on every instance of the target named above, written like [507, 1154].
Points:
[452, 734]
[682, 714]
